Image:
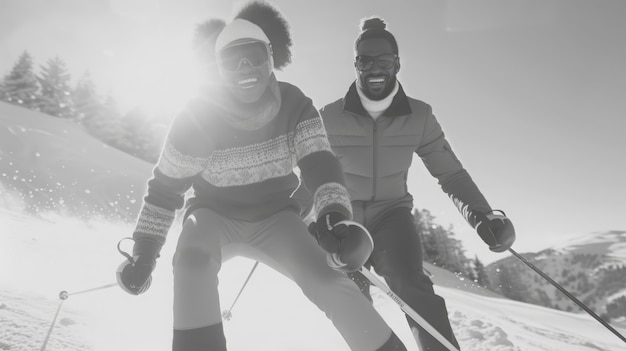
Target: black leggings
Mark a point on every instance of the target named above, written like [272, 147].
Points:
[397, 257]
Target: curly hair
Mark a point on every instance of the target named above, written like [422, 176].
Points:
[204, 38]
[270, 20]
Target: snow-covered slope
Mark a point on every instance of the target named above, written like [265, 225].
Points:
[41, 257]
[49, 163]
[592, 267]
[611, 244]
[51, 250]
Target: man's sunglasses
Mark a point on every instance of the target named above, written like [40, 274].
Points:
[254, 53]
[384, 61]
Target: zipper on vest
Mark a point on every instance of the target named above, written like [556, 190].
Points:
[374, 159]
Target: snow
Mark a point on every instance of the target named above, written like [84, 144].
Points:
[612, 244]
[51, 251]
[39, 258]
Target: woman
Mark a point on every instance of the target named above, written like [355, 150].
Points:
[237, 146]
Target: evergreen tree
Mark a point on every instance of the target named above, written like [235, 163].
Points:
[55, 95]
[444, 252]
[144, 138]
[423, 220]
[617, 307]
[85, 98]
[20, 86]
[439, 246]
[481, 275]
[106, 124]
[510, 286]
[455, 254]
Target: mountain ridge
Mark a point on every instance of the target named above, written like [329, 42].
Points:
[591, 266]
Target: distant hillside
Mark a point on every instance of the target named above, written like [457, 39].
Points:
[51, 164]
[591, 267]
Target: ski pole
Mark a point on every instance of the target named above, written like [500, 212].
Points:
[407, 309]
[85, 291]
[227, 315]
[45, 341]
[63, 295]
[568, 294]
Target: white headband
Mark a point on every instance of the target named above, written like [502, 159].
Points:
[239, 29]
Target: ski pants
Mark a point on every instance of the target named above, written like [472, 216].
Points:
[283, 243]
[397, 257]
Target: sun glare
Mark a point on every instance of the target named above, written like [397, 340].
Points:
[136, 9]
[160, 76]
[159, 73]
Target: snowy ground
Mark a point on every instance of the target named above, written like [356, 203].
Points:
[41, 257]
[51, 164]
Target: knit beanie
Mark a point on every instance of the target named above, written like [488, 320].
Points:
[274, 25]
[240, 29]
[253, 16]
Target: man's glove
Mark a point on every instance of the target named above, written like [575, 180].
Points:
[349, 244]
[134, 275]
[495, 229]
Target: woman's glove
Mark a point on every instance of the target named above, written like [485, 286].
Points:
[348, 244]
[134, 275]
[324, 231]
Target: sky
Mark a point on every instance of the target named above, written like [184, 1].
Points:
[529, 93]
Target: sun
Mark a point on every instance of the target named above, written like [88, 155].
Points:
[160, 75]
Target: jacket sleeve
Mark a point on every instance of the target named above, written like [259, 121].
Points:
[182, 158]
[320, 169]
[455, 181]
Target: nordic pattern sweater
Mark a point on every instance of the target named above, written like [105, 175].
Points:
[242, 174]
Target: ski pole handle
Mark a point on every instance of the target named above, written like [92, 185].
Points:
[408, 310]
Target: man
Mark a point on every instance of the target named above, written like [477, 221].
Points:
[237, 145]
[374, 130]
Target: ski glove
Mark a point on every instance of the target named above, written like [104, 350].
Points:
[325, 232]
[135, 274]
[496, 230]
[347, 243]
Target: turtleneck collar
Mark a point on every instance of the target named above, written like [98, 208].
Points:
[375, 108]
[399, 105]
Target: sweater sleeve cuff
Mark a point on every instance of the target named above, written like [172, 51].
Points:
[154, 223]
[332, 197]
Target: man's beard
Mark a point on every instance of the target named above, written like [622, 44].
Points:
[391, 83]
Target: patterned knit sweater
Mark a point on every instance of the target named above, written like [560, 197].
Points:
[242, 174]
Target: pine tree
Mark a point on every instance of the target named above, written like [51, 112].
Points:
[455, 254]
[617, 307]
[510, 285]
[481, 275]
[55, 96]
[445, 256]
[439, 245]
[105, 124]
[144, 138]
[85, 98]
[20, 86]
[423, 220]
